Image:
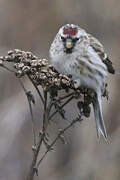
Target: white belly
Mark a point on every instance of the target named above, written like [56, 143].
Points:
[69, 65]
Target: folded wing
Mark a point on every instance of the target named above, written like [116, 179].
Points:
[97, 46]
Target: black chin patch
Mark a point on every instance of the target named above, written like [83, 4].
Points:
[68, 50]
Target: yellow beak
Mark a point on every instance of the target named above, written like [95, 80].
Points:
[69, 43]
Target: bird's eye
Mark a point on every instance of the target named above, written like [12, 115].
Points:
[75, 40]
[63, 38]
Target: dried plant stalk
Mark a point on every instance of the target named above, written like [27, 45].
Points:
[40, 73]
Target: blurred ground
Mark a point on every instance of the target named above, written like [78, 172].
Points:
[32, 25]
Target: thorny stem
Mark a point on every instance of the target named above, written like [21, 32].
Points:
[55, 140]
[36, 88]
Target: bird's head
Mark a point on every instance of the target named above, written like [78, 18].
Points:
[70, 35]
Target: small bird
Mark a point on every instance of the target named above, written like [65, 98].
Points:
[76, 53]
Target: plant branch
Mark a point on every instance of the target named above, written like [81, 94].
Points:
[45, 113]
[5, 67]
[66, 96]
[42, 74]
[36, 88]
[78, 119]
[33, 168]
[55, 112]
[30, 99]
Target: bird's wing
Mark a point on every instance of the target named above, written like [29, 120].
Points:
[97, 46]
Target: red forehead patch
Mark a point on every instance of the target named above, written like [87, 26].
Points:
[70, 31]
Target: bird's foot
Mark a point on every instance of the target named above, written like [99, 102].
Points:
[77, 83]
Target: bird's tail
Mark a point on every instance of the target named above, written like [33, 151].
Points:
[100, 126]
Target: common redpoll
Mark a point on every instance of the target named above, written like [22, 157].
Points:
[76, 53]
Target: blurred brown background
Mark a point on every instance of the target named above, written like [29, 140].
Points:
[32, 25]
